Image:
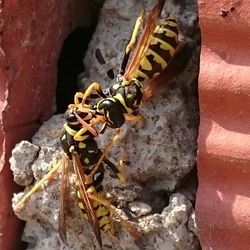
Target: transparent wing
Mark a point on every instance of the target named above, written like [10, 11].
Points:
[143, 43]
[89, 209]
[63, 200]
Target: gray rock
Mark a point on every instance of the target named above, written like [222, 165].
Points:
[169, 230]
[140, 208]
[23, 157]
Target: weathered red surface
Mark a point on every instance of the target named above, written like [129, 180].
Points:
[223, 199]
[31, 37]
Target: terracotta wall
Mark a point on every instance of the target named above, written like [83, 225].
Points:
[223, 200]
[31, 38]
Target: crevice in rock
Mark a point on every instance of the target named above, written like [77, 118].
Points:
[70, 66]
[70, 62]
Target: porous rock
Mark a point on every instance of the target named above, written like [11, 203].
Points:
[22, 158]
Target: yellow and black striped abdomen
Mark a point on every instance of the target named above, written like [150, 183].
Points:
[162, 46]
[102, 213]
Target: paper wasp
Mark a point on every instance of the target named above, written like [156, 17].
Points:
[86, 161]
[153, 53]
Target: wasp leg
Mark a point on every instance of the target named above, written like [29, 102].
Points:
[111, 166]
[135, 32]
[48, 176]
[121, 168]
[90, 127]
[131, 43]
[103, 128]
[78, 97]
[78, 136]
[104, 154]
[94, 86]
[118, 172]
[122, 173]
[138, 118]
[128, 226]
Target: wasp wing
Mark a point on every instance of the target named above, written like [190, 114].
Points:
[64, 192]
[89, 209]
[143, 43]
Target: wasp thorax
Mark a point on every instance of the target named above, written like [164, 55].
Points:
[129, 93]
[134, 94]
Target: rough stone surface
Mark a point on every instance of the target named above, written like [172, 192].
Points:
[158, 155]
[140, 208]
[21, 163]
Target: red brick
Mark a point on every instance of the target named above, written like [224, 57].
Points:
[31, 38]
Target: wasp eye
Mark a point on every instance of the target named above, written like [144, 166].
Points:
[70, 117]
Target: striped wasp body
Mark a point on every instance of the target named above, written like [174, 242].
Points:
[160, 50]
[151, 56]
[82, 157]
[87, 159]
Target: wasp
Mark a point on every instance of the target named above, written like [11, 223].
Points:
[82, 150]
[83, 157]
[153, 53]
